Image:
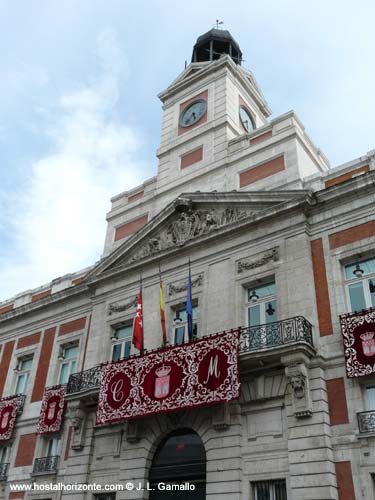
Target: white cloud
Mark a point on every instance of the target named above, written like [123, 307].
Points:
[57, 220]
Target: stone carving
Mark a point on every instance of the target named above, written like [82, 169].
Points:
[272, 255]
[188, 225]
[114, 308]
[298, 385]
[78, 417]
[183, 286]
[301, 396]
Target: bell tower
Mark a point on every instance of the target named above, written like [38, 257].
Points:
[211, 102]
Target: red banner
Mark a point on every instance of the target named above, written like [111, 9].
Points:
[51, 414]
[358, 331]
[197, 374]
[8, 414]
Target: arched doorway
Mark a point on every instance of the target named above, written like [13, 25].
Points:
[179, 459]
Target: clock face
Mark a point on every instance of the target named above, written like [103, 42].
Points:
[193, 113]
[246, 119]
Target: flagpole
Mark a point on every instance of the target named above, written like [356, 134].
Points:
[143, 323]
[162, 310]
[189, 306]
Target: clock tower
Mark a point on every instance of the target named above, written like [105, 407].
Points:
[213, 101]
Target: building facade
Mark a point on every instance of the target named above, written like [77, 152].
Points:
[280, 244]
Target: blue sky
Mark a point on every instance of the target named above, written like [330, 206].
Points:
[80, 119]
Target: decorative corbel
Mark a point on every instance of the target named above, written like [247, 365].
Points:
[301, 396]
[221, 417]
[78, 417]
[132, 431]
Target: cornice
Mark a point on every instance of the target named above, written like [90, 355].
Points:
[46, 302]
[223, 62]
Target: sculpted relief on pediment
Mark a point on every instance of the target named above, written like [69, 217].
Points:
[188, 225]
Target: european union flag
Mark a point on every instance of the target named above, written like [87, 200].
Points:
[189, 308]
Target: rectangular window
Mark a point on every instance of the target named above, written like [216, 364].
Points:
[53, 447]
[105, 496]
[68, 362]
[122, 342]
[181, 333]
[370, 398]
[270, 490]
[262, 314]
[3, 454]
[360, 284]
[23, 373]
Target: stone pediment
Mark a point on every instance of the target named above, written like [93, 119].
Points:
[193, 218]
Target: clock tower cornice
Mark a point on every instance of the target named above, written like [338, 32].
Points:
[225, 63]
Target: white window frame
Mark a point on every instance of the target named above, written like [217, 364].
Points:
[68, 361]
[364, 280]
[366, 388]
[122, 341]
[23, 374]
[52, 447]
[4, 454]
[184, 324]
[262, 301]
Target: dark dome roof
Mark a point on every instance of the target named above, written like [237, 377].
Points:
[213, 44]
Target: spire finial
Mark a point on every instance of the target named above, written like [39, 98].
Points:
[218, 23]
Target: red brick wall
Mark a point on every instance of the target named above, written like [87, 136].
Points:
[261, 171]
[26, 448]
[344, 177]
[260, 138]
[41, 295]
[135, 197]
[43, 365]
[338, 409]
[68, 441]
[77, 281]
[191, 158]
[344, 480]
[130, 227]
[321, 288]
[6, 309]
[72, 326]
[5, 362]
[352, 234]
[184, 105]
[28, 340]
[16, 495]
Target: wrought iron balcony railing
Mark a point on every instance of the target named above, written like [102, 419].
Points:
[46, 465]
[3, 471]
[366, 422]
[254, 338]
[278, 333]
[84, 381]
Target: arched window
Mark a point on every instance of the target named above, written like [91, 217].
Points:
[179, 459]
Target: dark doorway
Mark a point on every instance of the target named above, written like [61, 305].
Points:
[180, 459]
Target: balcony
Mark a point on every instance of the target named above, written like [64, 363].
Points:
[45, 465]
[3, 471]
[85, 381]
[265, 344]
[259, 346]
[366, 422]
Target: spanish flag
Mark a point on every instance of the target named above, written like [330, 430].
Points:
[162, 313]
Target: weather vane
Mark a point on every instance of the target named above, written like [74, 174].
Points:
[218, 23]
